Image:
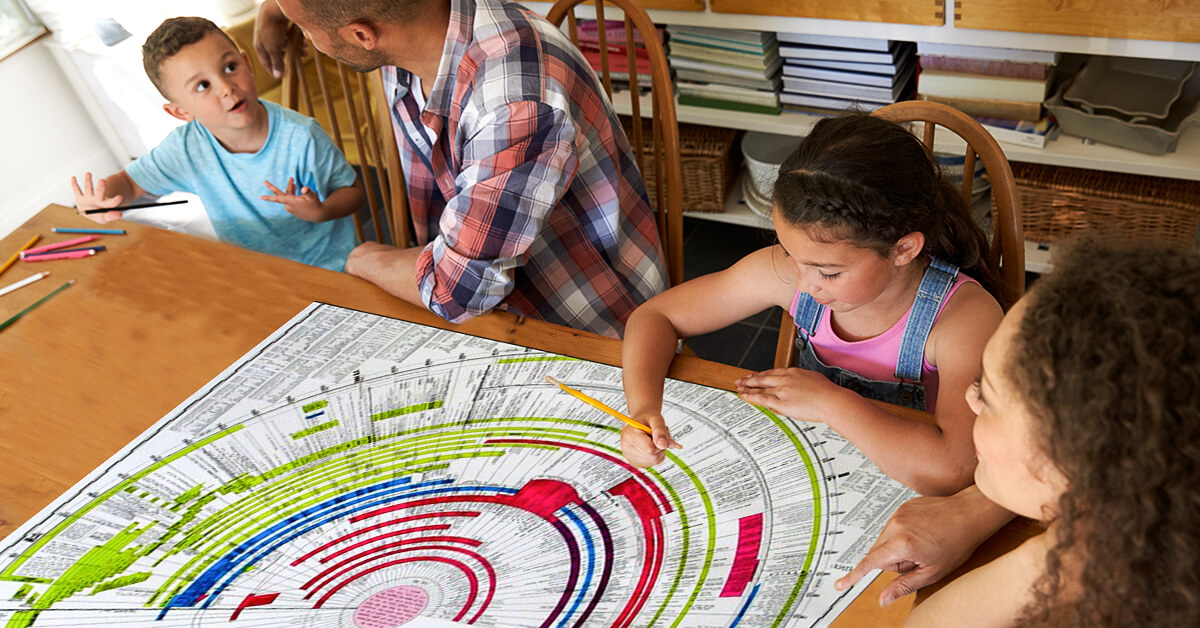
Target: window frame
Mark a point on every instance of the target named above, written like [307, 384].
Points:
[34, 29]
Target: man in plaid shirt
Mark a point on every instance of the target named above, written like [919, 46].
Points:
[522, 187]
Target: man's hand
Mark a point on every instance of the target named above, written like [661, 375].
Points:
[89, 197]
[271, 30]
[305, 205]
[927, 538]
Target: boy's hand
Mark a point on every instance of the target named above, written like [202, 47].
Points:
[305, 205]
[90, 197]
[793, 392]
[640, 449]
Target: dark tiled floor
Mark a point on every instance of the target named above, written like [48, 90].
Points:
[711, 246]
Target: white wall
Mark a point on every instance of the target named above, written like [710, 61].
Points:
[46, 136]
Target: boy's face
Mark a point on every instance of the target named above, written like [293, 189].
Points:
[211, 82]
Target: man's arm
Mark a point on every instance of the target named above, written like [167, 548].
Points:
[516, 167]
[270, 37]
[388, 267]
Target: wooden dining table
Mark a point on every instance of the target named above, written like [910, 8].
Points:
[158, 314]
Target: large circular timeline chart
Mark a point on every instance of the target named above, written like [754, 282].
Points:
[365, 472]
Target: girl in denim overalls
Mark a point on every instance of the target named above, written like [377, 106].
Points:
[871, 243]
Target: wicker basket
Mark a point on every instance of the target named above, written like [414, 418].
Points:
[708, 163]
[1058, 201]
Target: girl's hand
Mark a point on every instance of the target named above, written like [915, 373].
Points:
[305, 205]
[793, 392]
[642, 450]
[95, 198]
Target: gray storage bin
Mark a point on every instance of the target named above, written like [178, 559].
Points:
[1155, 137]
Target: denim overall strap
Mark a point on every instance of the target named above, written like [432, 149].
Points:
[938, 279]
[808, 313]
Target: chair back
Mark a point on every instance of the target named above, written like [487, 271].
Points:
[660, 165]
[1007, 254]
[354, 113]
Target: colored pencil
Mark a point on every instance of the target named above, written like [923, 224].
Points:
[598, 405]
[29, 256]
[22, 283]
[134, 206]
[40, 301]
[16, 256]
[46, 257]
[84, 231]
[58, 245]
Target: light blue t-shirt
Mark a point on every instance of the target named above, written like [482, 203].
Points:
[191, 159]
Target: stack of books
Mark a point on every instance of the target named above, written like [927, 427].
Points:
[1002, 88]
[726, 69]
[618, 56]
[828, 73]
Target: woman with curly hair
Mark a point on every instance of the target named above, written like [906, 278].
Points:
[1088, 420]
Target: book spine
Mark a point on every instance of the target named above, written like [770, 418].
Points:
[715, 55]
[951, 85]
[1008, 69]
[1032, 140]
[991, 108]
[712, 103]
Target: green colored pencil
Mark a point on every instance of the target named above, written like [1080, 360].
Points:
[35, 304]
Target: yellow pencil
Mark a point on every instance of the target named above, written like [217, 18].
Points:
[16, 255]
[598, 405]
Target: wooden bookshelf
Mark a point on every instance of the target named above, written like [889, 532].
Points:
[926, 12]
[1122, 19]
[1065, 150]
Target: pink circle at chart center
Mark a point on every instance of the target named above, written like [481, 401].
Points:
[391, 608]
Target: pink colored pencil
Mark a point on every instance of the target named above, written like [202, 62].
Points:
[57, 245]
[52, 256]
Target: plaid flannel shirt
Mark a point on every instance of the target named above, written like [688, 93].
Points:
[522, 186]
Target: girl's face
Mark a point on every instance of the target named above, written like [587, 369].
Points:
[838, 275]
[1012, 471]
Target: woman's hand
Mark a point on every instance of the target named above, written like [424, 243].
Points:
[927, 538]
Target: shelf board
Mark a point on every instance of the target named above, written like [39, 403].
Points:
[1066, 150]
[946, 34]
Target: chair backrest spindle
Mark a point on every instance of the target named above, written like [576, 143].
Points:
[660, 161]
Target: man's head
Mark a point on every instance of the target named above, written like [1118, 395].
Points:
[197, 67]
[349, 30]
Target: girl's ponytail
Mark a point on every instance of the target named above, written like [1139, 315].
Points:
[961, 242]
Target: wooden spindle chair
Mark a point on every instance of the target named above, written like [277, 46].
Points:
[354, 113]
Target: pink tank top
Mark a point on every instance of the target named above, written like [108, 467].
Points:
[875, 358]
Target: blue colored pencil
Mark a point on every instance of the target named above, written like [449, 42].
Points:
[89, 231]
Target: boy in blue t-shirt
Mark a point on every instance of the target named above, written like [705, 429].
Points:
[232, 145]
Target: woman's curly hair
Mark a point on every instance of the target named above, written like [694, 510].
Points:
[1108, 356]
